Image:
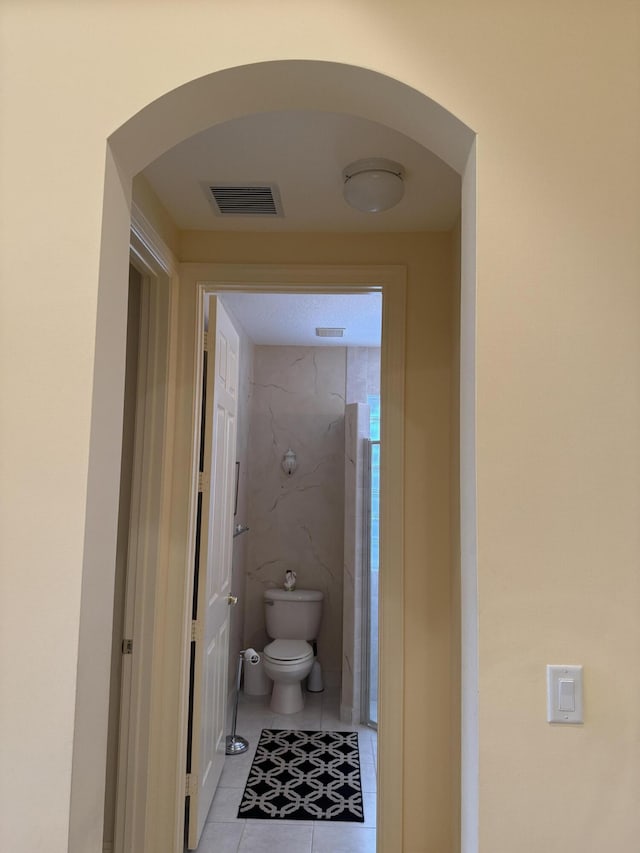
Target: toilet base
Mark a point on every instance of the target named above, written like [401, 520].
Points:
[287, 698]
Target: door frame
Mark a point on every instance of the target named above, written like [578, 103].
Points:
[197, 280]
[147, 558]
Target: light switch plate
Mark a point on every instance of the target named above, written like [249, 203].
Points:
[564, 694]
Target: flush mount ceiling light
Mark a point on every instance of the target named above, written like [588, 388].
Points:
[373, 185]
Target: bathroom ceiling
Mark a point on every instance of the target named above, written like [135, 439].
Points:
[303, 154]
[283, 319]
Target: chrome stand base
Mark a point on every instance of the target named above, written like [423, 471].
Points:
[236, 744]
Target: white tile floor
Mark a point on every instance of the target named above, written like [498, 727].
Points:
[225, 833]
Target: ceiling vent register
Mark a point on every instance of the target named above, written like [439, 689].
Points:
[250, 200]
[329, 332]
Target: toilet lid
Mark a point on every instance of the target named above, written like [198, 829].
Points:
[288, 650]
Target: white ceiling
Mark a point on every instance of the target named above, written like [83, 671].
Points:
[282, 319]
[304, 154]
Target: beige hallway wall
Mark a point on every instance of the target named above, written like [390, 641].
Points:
[552, 93]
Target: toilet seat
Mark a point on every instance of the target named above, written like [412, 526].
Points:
[288, 652]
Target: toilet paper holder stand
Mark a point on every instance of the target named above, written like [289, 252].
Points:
[235, 744]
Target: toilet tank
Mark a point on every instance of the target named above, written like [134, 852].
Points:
[293, 615]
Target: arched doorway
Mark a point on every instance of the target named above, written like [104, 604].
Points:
[177, 115]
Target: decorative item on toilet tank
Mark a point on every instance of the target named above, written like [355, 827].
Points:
[297, 522]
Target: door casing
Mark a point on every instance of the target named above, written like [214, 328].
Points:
[196, 281]
[168, 666]
[151, 475]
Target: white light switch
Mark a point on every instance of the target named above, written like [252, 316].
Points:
[564, 694]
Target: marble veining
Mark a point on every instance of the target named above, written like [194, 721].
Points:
[297, 401]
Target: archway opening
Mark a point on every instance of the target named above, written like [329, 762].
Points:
[176, 116]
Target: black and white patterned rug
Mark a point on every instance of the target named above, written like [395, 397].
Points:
[304, 776]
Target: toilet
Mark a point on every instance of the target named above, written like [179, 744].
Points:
[292, 619]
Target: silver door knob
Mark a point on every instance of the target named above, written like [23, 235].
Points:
[232, 600]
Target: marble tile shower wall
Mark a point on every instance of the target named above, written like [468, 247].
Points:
[297, 401]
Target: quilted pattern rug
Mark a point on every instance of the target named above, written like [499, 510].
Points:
[299, 775]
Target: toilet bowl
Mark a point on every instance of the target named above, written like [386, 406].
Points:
[287, 663]
[292, 618]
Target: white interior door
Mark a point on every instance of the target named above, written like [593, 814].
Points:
[211, 623]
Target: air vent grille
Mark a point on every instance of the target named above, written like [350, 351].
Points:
[251, 200]
[329, 332]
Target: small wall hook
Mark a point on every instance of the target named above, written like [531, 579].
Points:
[289, 462]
